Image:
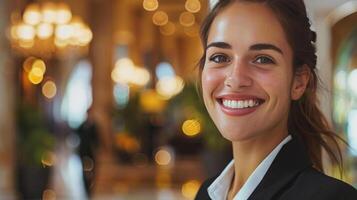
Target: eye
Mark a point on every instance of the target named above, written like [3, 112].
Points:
[264, 60]
[219, 58]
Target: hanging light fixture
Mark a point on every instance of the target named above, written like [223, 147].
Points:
[48, 27]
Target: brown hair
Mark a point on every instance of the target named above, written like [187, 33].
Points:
[305, 118]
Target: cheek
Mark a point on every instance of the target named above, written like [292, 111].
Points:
[276, 85]
[211, 79]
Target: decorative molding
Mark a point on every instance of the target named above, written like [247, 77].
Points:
[341, 12]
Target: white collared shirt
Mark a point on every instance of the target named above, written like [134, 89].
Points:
[218, 190]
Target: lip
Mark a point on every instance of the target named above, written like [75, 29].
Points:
[238, 111]
[239, 97]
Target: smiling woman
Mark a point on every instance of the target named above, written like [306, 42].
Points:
[259, 82]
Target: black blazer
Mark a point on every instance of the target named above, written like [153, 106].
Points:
[292, 177]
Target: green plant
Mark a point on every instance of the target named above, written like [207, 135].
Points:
[34, 140]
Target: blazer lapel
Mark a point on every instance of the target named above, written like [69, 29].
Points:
[289, 162]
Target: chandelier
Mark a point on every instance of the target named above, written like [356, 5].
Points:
[47, 29]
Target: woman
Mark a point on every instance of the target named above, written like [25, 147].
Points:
[259, 82]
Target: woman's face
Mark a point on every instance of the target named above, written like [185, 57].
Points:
[247, 79]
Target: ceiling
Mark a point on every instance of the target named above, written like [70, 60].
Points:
[322, 8]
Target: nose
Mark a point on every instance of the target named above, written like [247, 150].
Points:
[238, 76]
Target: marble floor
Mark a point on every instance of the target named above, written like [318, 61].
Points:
[114, 180]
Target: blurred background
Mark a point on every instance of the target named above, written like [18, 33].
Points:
[98, 98]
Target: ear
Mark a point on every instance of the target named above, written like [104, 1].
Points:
[300, 80]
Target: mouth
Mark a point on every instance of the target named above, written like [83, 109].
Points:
[238, 106]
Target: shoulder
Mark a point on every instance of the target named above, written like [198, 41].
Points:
[320, 186]
[202, 193]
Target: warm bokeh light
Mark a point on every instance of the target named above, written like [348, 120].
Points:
[61, 43]
[35, 76]
[49, 12]
[44, 30]
[27, 65]
[160, 18]
[150, 5]
[63, 14]
[64, 31]
[36, 72]
[32, 14]
[193, 6]
[74, 33]
[187, 19]
[124, 62]
[13, 32]
[47, 20]
[123, 71]
[127, 143]
[191, 127]
[85, 36]
[48, 158]
[49, 89]
[142, 76]
[163, 157]
[168, 87]
[168, 29]
[25, 32]
[77, 30]
[190, 188]
[40, 65]
[27, 44]
[151, 102]
[163, 180]
[49, 195]
[126, 72]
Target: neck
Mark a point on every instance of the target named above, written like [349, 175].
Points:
[248, 154]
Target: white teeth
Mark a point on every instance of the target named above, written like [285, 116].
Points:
[246, 103]
[234, 104]
[251, 103]
[240, 104]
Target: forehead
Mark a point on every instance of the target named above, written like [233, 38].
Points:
[246, 23]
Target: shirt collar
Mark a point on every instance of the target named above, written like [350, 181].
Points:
[218, 190]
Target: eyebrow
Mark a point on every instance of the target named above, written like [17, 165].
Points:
[222, 45]
[263, 46]
[255, 47]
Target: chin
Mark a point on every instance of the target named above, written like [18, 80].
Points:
[236, 136]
